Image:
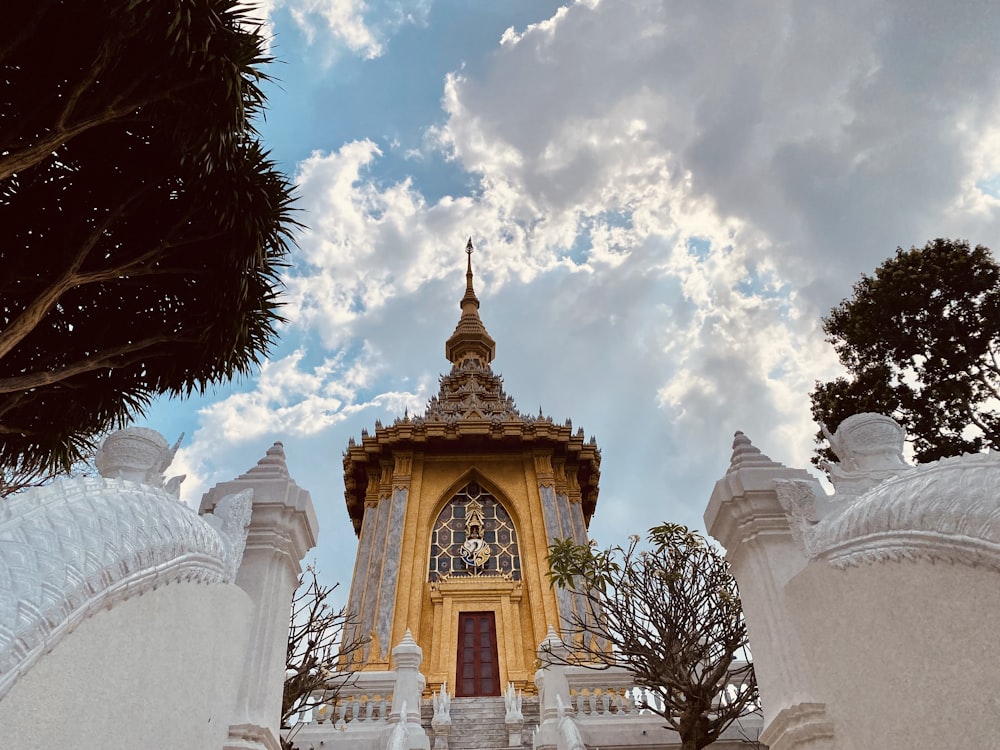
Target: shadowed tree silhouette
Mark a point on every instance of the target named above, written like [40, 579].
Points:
[144, 225]
[921, 342]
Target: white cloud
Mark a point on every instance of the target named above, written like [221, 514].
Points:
[338, 25]
[342, 20]
[368, 242]
[665, 197]
[804, 143]
[839, 129]
[289, 398]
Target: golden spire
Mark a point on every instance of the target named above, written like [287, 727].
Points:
[470, 293]
[470, 339]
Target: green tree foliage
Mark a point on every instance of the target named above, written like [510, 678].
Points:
[920, 341]
[672, 615]
[144, 226]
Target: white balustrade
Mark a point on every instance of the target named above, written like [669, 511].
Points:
[357, 710]
[613, 693]
[364, 698]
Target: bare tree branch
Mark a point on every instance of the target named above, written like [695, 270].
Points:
[320, 646]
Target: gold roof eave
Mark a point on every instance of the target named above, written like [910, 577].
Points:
[469, 435]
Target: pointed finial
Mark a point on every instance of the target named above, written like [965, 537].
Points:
[746, 455]
[470, 292]
[552, 645]
[470, 334]
[273, 463]
[407, 651]
[168, 459]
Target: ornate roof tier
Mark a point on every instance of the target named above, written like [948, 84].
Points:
[582, 457]
[471, 414]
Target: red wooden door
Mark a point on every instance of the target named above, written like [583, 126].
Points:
[478, 670]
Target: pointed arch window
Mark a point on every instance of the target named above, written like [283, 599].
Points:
[474, 536]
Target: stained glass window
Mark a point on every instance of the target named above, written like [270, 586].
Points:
[450, 534]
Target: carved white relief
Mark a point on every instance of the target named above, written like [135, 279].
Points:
[442, 706]
[799, 499]
[947, 510]
[231, 518]
[806, 723]
[400, 733]
[870, 449]
[570, 732]
[885, 509]
[74, 547]
[138, 454]
[512, 702]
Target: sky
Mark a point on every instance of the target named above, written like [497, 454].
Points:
[665, 199]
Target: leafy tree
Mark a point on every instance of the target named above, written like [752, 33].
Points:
[672, 616]
[318, 657]
[144, 225]
[920, 341]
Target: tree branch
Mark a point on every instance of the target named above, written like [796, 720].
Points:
[671, 616]
[317, 643]
[109, 359]
[21, 158]
[33, 314]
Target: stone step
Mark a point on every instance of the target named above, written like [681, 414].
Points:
[478, 723]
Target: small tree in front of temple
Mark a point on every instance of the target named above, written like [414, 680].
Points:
[318, 654]
[670, 614]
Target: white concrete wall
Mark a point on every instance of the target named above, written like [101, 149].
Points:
[904, 654]
[160, 670]
[883, 634]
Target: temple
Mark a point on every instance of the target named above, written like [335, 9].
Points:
[454, 511]
[107, 580]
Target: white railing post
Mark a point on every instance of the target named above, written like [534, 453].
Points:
[553, 690]
[513, 719]
[406, 695]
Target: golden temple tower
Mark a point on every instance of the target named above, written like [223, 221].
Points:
[454, 511]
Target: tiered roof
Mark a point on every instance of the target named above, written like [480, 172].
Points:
[471, 413]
